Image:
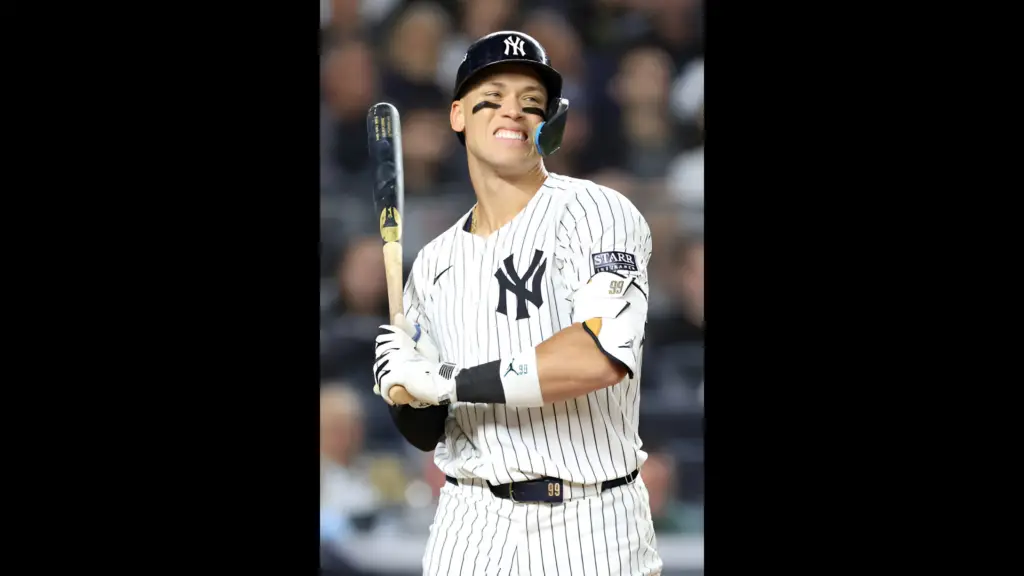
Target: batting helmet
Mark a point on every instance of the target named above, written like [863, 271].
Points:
[511, 46]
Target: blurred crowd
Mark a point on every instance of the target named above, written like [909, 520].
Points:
[634, 75]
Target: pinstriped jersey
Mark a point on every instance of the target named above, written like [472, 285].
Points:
[484, 299]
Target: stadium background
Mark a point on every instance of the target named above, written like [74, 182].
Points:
[635, 77]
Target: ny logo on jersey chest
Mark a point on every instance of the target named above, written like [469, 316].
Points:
[509, 281]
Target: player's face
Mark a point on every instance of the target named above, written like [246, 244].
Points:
[500, 116]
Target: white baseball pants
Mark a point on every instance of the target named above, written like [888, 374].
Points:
[589, 534]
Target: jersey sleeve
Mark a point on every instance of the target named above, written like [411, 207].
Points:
[604, 240]
[602, 231]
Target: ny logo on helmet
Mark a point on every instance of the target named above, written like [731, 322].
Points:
[516, 45]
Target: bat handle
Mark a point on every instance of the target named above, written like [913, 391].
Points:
[393, 268]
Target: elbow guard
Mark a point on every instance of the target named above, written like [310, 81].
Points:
[613, 310]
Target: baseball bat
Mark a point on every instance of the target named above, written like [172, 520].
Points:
[384, 135]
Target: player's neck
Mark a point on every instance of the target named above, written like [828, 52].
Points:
[500, 198]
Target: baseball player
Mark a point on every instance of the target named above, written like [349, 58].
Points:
[522, 339]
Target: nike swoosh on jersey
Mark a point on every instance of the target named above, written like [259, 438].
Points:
[442, 272]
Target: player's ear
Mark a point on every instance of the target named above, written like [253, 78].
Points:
[457, 117]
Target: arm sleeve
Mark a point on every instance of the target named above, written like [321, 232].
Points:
[421, 427]
[602, 233]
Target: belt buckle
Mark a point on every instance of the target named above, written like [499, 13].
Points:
[511, 493]
[633, 479]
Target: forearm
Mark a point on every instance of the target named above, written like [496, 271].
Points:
[568, 365]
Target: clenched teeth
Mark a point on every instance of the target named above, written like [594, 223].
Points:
[510, 135]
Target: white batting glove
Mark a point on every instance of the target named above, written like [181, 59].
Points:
[398, 363]
[424, 345]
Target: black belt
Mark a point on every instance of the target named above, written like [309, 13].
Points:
[545, 489]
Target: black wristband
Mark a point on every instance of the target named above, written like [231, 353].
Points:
[481, 384]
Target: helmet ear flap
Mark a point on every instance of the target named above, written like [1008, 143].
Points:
[548, 137]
